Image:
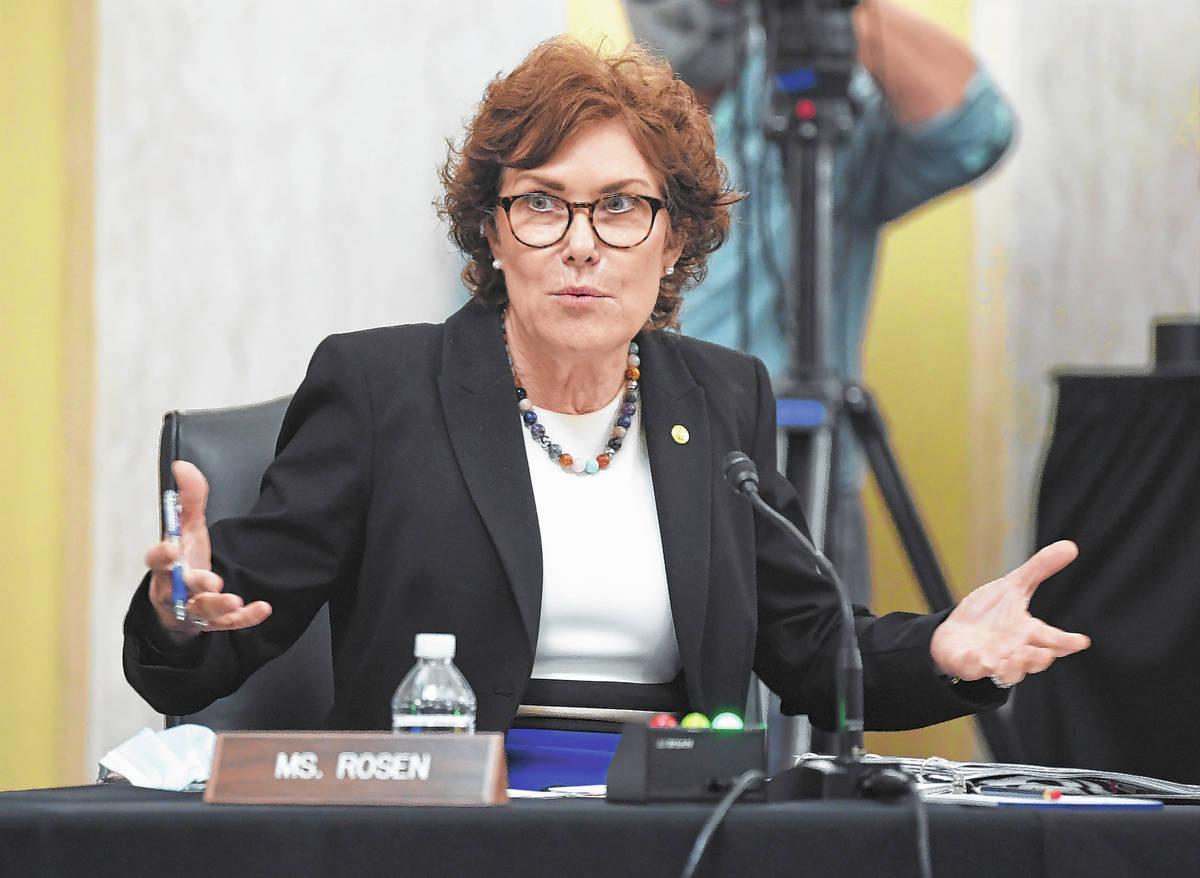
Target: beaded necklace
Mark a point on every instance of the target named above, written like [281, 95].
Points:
[625, 413]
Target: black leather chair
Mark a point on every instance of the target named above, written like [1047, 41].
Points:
[232, 447]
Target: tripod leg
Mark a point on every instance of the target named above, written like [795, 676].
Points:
[871, 433]
[872, 436]
[807, 456]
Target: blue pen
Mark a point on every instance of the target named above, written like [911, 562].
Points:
[178, 588]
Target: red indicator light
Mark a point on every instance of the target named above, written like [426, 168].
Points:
[805, 109]
[663, 721]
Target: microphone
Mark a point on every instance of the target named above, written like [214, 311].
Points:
[740, 471]
[742, 475]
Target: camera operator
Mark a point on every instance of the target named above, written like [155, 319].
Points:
[928, 120]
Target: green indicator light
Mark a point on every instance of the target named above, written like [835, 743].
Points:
[727, 721]
[695, 721]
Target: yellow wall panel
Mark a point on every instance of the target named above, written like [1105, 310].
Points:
[42, 337]
[917, 361]
[596, 20]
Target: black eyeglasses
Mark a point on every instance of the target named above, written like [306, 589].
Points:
[539, 219]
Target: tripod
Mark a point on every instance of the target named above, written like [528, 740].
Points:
[811, 53]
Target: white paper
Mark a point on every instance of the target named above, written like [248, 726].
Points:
[172, 759]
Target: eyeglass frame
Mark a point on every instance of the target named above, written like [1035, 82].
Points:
[656, 204]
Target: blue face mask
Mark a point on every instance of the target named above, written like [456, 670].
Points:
[702, 39]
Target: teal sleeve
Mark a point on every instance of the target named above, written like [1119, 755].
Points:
[888, 168]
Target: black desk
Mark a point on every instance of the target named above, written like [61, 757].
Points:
[117, 830]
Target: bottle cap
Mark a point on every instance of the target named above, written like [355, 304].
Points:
[434, 646]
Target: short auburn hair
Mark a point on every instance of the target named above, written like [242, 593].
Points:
[560, 87]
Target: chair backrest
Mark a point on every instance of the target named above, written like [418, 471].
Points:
[232, 447]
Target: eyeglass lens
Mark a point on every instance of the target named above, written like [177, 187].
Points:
[539, 219]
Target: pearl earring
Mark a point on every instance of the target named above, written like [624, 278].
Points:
[496, 264]
[670, 270]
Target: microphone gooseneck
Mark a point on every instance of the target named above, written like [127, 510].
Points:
[740, 471]
[742, 475]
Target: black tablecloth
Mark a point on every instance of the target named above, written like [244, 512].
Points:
[1121, 479]
[119, 830]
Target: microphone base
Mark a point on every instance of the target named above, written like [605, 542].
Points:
[829, 780]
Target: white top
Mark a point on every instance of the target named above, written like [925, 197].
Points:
[605, 613]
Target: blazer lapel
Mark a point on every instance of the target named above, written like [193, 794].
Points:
[679, 444]
[481, 416]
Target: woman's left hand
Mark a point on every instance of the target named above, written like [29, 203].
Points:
[991, 633]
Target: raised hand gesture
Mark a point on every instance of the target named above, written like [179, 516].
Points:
[991, 632]
[209, 608]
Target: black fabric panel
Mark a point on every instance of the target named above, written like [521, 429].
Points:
[113, 830]
[1122, 479]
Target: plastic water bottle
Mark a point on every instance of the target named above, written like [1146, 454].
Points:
[434, 696]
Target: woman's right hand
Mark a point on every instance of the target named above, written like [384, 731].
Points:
[209, 608]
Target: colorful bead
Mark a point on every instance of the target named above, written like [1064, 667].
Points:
[625, 412]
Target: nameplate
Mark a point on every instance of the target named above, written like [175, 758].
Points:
[357, 768]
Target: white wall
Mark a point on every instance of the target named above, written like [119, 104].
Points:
[265, 173]
[1092, 227]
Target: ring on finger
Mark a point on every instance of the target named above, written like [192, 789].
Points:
[193, 618]
[1000, 684]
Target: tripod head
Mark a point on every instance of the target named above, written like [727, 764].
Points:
[811, 51]
[810, 43]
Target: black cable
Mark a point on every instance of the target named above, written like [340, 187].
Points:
[924, 858]
[740, 126]
[894, 785]
[740, 785]
[760, 220]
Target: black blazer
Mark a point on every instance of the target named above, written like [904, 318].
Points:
[400, 494]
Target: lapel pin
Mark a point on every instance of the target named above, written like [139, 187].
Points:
[680, 434]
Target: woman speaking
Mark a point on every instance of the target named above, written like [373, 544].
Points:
[540, 474]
